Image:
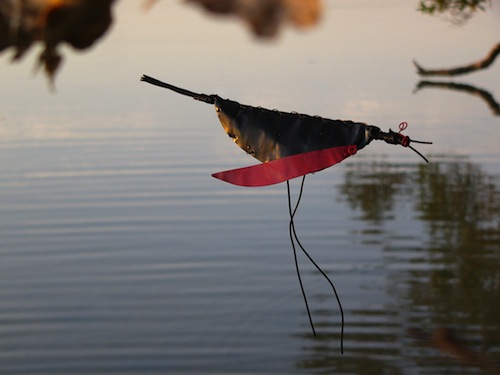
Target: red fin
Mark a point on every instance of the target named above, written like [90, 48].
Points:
[283, 169]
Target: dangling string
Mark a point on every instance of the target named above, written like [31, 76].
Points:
[294, 238]
[291, 232]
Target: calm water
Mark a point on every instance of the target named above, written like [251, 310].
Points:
[119, 254]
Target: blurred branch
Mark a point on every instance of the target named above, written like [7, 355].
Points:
[456, 11]
[78, 23]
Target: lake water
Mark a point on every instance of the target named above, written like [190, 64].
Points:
[120, 254]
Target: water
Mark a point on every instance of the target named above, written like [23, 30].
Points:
[120, 254]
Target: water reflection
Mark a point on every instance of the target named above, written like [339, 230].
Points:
[441, 268]
[445, 339]
[484, 95]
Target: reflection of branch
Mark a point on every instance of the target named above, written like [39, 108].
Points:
[481, 64]
[483, 94]
[444, 339]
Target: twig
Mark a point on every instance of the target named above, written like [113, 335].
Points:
[481, 64]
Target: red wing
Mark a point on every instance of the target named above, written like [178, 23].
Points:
[283, 169]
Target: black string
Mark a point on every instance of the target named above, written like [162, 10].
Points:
[293, 235]
[291, 232]
[418, 153]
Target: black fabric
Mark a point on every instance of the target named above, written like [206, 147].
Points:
[270, 134]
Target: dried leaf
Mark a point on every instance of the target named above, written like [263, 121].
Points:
[79, 23]
[266, 17]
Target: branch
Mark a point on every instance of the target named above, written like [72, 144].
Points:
[481, 64]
